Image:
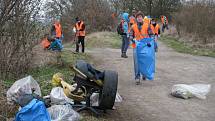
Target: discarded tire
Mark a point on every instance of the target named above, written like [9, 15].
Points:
[108, 94]
[83, 67]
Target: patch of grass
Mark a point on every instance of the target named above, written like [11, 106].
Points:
[185, 48]
[103, 40]
[44, 74]
[100, 40]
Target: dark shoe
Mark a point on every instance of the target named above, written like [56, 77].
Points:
[144, 78]
[124, 55]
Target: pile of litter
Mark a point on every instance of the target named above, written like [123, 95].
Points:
[54, 107]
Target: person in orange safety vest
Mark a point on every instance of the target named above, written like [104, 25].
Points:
[139, 31]
[45, 43]
[132, 19]
[80, 33]
[164, 22]
[156, 31]
[57, 30]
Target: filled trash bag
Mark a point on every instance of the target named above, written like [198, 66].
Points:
[187, 91]
[63, 113]
[56, 45]
[145, 57]
[22, 87]
[58, 96]
[34, 111]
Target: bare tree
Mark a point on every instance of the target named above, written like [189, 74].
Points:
[19, 31]
[196, 19]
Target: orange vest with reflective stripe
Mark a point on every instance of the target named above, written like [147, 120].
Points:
[132, 20]
[163, 20]
[58, 29]
[78, 28]
[141, 34]
[155, 29]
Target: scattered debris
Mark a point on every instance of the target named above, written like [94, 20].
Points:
[22, 87]
[187, 91]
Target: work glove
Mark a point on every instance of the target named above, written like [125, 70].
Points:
[159, 36]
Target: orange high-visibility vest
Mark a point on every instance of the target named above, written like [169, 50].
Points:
[146, 20]
[45, 43]
[155, 29]
[132, 20]
[164, 19]
[141, 34]
[78, 28]
[58, 29]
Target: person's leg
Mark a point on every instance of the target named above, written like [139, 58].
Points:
[77, 44]
[155, 43]
[136, 69]
[82, 44]
[124, 46]
[163, 27]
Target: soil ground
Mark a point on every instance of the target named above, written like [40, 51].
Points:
[151, 101]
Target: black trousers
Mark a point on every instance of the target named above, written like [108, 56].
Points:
[80, 40]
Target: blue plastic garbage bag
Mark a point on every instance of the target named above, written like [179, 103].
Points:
[56, 45]
[145, 58]
[34, 111]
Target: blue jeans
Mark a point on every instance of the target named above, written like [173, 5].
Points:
[125, 44]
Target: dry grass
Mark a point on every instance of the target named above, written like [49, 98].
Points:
[103, 40]
[6, 111]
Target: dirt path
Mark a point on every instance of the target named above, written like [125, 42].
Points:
[151, 101]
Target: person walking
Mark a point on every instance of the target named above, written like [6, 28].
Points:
[144, 63]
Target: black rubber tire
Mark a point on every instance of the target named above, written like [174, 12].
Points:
[108, 94]
[81, 65]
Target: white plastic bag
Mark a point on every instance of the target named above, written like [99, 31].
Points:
[187, 91]
[118, 98]
[95, 99]
[63, 113]
[58, 97]
[21, 87]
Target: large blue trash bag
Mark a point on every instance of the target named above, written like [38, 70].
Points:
[34, 111]
[145, 55]
[56, 45]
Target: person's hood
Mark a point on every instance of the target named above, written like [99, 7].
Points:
[125, 17]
